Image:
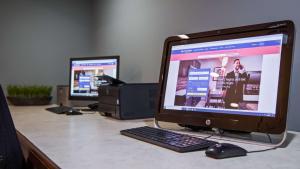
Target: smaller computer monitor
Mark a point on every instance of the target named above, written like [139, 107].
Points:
[86, 73]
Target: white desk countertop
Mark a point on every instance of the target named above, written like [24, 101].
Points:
[91, 141]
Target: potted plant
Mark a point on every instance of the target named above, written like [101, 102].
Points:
[21, 95]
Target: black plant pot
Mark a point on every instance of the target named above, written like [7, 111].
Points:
[22, 101]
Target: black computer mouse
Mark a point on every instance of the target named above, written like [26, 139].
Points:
[225, 150]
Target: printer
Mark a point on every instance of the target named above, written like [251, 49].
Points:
[128, 101]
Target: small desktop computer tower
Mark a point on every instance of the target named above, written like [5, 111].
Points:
[128, 101]
[62, 95]
[63, 98]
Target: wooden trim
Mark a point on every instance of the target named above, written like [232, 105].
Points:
[35, 158]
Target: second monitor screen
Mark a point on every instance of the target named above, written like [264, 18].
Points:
[84, 75]
[237, 76]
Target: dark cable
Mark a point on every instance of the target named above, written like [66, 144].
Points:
[254, 151]
[257, 151]
[273, 148]
[270, 139]
[191, 134]
[208, 137]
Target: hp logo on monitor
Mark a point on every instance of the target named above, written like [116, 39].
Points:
[207, 122]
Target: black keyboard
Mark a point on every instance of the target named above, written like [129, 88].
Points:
[167, 139]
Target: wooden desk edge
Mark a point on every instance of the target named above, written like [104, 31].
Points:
[34, 157]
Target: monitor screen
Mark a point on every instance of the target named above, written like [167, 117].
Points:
[85, 72]
[234, 76]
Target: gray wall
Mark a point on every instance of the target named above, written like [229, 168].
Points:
[37, 37]
[136, 30]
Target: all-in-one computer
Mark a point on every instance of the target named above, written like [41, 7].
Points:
[230, 79]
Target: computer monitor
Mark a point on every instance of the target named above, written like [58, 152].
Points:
[85, 75]
[235, 79]
[10, 151]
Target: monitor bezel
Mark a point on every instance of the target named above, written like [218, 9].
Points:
[273, 125]
[89, 98]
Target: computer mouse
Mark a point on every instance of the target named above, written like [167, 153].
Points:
[225, 150]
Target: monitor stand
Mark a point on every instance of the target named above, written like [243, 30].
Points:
[73, 112]
[61, 109]
[254, 138]
[90, 107]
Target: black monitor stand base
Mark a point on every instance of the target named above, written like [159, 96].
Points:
[61, 109]
[90, 108]
[93, 106]
[73, 112]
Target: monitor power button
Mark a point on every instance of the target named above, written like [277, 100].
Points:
[207, 122]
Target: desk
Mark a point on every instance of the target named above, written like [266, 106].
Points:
[92, 141]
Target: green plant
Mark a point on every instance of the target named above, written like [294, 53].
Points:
[33, 91]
